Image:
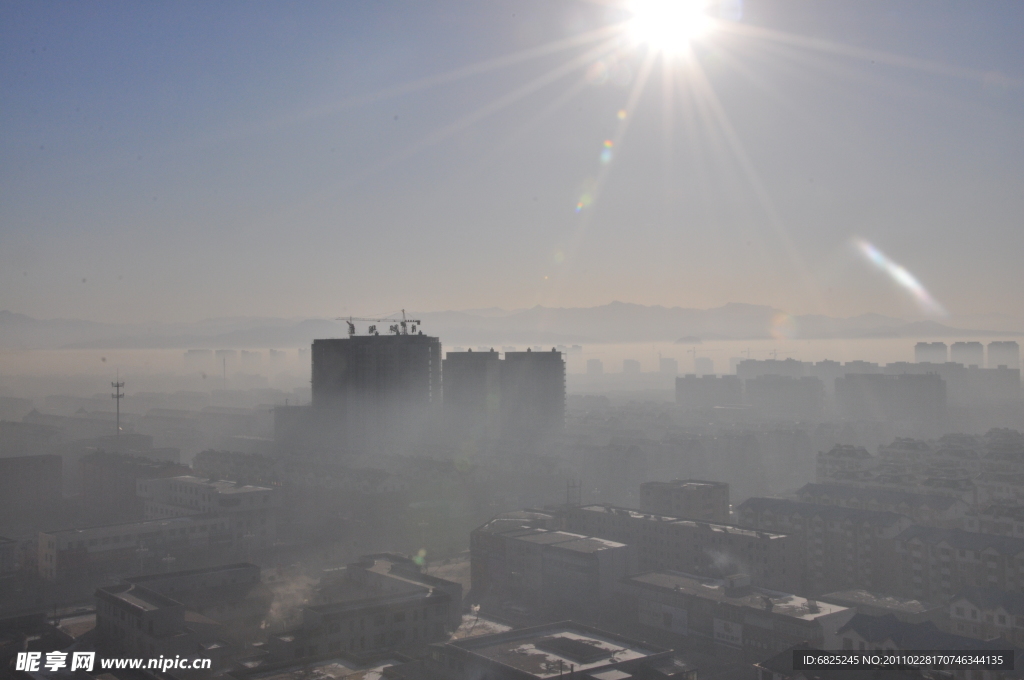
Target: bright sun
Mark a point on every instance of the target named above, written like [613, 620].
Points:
[669, 25]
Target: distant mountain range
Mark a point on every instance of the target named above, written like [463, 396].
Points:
[613, 322]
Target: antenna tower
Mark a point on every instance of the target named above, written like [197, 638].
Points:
[117, 396]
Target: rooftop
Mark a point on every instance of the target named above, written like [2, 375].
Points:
[567, 541]
[963, 540]
[550, 650]
[784, 506]
[853, 598]
[136, 597]
[892, 496]
[781, 604]
[653, 517]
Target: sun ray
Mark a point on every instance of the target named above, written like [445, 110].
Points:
[575, 240]
[888, 58]
[752, 176]
[494, 106]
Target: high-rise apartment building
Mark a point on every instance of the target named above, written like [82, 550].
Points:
[472, 393]
[967, 353]
[1004, 353]
[383, 388]
[532, 394]
[519, 397]
[930, 353]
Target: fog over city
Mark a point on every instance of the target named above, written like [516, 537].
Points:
[603, 339]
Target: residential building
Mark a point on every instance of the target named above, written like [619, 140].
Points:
[472, 394]
[251, 511]
[532, 394]
[566, 649]
[930, 509]
[931, 353]
[729, 613]
[791, 398]
[968, 354]
[519, 397]
[988, 613]
[132, 620]
[708, 391]
[935, 563]
[905, 609]
[595, 367]
[1004, 353]
[29, 484]
[74, 552]
[383, 388]
[110, 482]
[689, 498]
[233, 595]
[843, 547]
[844, 463]
[901, 397]
[773, 560]
[541, 568]
[630, 366]
[878, 633]
[376, 605]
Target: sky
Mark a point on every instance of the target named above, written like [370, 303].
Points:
[179, 161]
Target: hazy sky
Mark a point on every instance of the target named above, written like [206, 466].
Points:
[185, 160]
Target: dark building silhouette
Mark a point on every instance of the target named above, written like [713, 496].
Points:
[708, 391]
[382, 388]
[688, 498]
[782, 396]
[520, 397]
[1004, 353]
[29, 484]
[931, 353]
[472, 393]
[532, 394]
[903, 396]
[967, 353]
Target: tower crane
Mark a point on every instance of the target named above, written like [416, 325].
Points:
[403, 327]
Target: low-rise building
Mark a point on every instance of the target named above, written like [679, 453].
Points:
[72, 552]
[878, 604]
[988, 613]
[543, 568]
[137, 622]
[729, 613]
[773, 560]
[1005, 520]
[376, 605]
[566, 649]
[937, 563]
[689, 498]
[931, 509]
[230, 594]
[250, 510]
[844, 547]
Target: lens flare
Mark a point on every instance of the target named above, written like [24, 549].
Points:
[783, 326]
[901, 276]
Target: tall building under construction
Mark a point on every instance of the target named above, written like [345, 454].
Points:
[381, 389]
